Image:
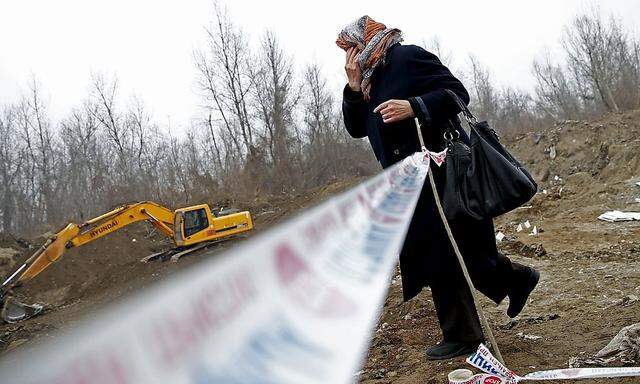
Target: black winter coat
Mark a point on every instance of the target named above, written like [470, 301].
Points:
[412, 73]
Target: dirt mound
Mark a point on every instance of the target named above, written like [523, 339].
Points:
[592, 146]
[12, 249]
[274, 209]
[587, 156]
[83, 272]
[8, 240]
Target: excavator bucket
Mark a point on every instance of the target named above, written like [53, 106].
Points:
[14, 311]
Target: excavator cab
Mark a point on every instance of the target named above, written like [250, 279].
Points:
[189, 222]
[195, 220]
[197, 224]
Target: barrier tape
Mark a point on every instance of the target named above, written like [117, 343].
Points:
[293, 305]
[465, 376]
[486, 362]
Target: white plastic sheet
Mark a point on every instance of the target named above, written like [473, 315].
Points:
[613, 216]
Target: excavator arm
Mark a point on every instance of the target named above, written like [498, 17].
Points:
[74, 235]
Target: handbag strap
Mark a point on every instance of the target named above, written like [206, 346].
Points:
[471, 119]
[451, 134]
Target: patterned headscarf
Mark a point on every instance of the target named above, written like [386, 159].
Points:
[372, 40]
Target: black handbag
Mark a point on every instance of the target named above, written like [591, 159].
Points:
[482, 180]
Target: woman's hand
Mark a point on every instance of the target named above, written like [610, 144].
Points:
[395, 110]
[353, 69]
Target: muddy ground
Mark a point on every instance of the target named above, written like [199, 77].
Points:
[590, 269]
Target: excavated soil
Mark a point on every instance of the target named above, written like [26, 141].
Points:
[590, 269]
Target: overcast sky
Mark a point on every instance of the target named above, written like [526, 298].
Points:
[149, 43]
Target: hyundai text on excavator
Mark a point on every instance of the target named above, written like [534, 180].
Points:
[190, 228]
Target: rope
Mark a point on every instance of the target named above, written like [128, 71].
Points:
[483, 320]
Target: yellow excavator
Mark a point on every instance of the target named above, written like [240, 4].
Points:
[190, 228]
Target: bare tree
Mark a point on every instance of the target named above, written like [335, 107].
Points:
[557, 94]
[516, 112]
[85, 162]
[317, 103]
[486, 95]
[37, 135]
[435, 45]
[104, 97]
[213, 148]
[276, 97]
[602, 54]
[139, 122]
[11, 162]
[223, 77]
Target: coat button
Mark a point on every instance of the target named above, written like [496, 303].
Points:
[396, 151]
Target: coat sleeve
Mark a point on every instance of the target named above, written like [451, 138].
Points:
[434, 104]
[354, 112]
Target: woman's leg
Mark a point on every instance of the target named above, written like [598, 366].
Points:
[456, 313]
[494, 274]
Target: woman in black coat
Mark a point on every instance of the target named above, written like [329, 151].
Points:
[389, 85]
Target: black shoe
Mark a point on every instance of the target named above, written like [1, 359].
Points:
[449, 349]
[527, 280]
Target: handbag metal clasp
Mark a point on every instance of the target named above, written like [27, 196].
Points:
[450, 136]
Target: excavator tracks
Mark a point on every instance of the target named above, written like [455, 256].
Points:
[175, 254]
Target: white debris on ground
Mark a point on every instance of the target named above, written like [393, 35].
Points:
[500, 236]
[527, 225]
[614, 216]
[528, 337]
[625, 301]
